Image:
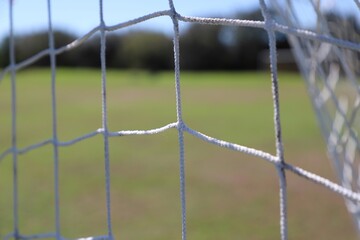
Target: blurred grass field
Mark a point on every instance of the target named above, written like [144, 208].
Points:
[229, 195]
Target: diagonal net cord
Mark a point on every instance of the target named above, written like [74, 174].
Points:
[269, 25]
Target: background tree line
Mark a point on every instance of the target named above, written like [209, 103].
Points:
[202, 47]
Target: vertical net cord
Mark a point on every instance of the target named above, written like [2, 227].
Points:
[14, 124]
[105, 118]
[279, 144]
[179, 118]
[54, 121]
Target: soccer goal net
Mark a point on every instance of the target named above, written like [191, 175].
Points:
[326, 50]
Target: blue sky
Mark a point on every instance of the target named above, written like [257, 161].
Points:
[80, 16]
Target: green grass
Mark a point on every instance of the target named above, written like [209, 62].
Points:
[229, 195]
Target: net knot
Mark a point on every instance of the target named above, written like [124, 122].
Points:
[100, 130]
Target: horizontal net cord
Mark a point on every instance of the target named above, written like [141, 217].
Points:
[86, 136]
[143, 132]
[223, 21]
[94, 238]
[221, 143]
[138, 20]
[52, 235]
[307, 34]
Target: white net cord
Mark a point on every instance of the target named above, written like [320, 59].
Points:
[328, 62]
[331, 73]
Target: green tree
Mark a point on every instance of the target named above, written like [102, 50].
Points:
[248, 42]
[147, 50]
[27, 46]
[201, 48]
[114, 51]
[3, 52]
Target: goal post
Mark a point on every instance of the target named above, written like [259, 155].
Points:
[327, 58]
